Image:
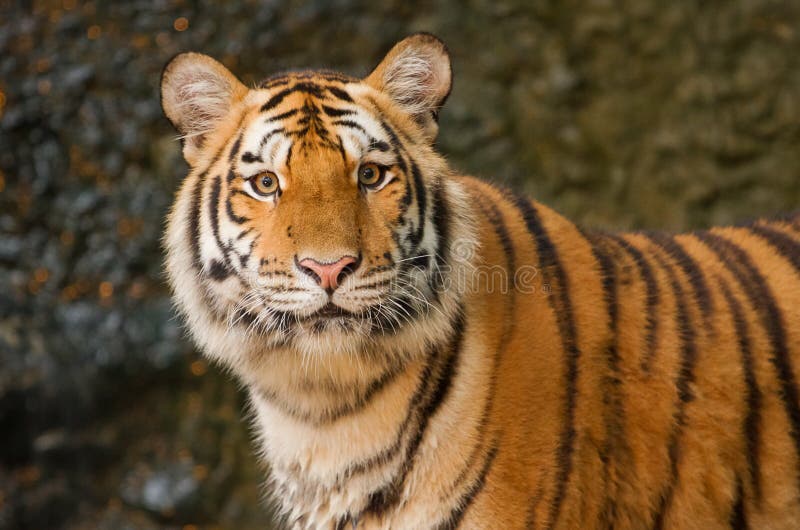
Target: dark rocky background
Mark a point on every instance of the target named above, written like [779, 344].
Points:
[620, 113]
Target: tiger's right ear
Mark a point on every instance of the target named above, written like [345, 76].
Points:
[416, 74]
[197, 92]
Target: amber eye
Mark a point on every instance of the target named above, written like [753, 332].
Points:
[370, 175]
[264, 183]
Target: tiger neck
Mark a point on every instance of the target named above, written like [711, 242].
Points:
[331, 447]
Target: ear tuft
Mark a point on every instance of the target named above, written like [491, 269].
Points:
[416, 74]
[197, 92]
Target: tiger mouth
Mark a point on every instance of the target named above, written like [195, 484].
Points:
[331, 317]
[330, 311]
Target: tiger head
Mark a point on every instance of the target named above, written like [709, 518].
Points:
[316, 214]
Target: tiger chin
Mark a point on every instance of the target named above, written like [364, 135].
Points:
[425, 350]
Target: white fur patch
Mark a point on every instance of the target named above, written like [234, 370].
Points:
[201, 98]
[416, 81]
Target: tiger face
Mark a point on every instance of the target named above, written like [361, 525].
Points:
[314, 210]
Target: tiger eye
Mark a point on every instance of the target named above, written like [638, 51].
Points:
[369, 174]
[265, 183]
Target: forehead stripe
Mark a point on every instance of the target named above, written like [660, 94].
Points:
[307, 88]
[353, 125]
[250, 158]
[269, 135]
[335, 113]
[380, 145]
[287, 114]
[373, 142]
[339, 93]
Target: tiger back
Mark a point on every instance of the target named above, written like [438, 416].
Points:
[422, 349]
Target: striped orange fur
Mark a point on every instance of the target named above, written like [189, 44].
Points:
[480, 361]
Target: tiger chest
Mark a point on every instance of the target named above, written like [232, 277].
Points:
[326, 475]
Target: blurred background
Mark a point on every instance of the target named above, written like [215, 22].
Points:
[619, 113]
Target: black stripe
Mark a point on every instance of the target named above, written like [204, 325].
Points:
[218, 271]
[269, 135]
[213, 211]
[381, 116]
[614, 410]
[738, 519]
[340, 148]
[752, 418]
[419, 188]
[310, 116]
[457, 514]
[652, 300]
[744, 270]
[352, 125]
[194, 221]
[389, 495]
[235, 149]
[250, 158]
[380, 145]
[307, 88]
[419, 262]
[689, 267]
[332, 75]
[281, 116]
[275, 100]
[441, 223]
[288, 162]
[300, 132]
[533, 505]
[498, 223]
[561, 305]
[686, 335]
[395, 142]
[238, 219]
[244, 259]
[274, 80]
[786, 246]
[405, 201]
[339, 93]
[244, 233]
[335, 113]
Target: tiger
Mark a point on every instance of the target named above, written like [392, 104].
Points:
[424, 349]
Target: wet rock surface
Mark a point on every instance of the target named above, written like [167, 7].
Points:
[640, 114]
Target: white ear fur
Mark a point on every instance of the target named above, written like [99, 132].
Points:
[416, 74]
[197, 92]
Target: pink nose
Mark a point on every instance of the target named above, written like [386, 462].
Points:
[328, 275]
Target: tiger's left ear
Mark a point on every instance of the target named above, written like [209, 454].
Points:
[416, 74]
